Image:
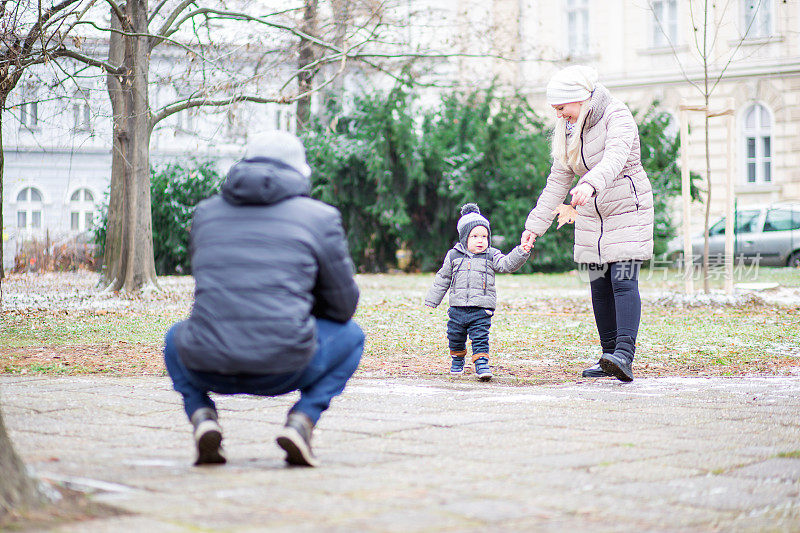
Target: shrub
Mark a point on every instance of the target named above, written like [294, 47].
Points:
[175, 190]
[66, 255]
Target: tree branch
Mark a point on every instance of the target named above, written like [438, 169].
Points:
[88, 60]
[156, 10]
[123, 20]
[738, 45]
[164, 31]
[191, 102]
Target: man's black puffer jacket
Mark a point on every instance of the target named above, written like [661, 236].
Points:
[266, 260]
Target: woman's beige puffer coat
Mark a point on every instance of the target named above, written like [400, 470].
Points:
[617, 223]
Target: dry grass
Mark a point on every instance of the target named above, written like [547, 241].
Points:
[543, 330]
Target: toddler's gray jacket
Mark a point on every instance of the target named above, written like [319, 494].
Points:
[470, 277]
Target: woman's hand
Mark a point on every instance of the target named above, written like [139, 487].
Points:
[527, 240]
[581, 194]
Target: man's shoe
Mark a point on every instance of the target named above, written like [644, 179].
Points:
[295, 439]
[207, 437]
[457, 366]
[617, 365]
[482, 369]
[595, 371]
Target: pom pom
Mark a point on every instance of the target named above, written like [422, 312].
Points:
[470, 208]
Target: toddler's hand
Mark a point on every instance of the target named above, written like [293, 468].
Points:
[527, 239]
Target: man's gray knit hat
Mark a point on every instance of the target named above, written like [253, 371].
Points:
[280, 146]
[470, 218]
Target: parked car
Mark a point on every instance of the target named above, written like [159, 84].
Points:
[769, 234]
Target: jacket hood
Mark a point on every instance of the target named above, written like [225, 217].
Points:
[262, 181]
[600, 100]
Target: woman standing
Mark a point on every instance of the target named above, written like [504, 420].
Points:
[596, 139]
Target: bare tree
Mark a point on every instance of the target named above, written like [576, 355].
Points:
[706, 33]
[31, 34]
[17, 489]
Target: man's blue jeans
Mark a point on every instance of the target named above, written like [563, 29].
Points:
[339, 349]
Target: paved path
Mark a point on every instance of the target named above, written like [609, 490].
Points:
[402, 455]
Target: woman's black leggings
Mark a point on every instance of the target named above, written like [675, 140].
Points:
[616, 301]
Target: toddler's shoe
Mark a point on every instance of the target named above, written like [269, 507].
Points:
[457, 366]
[482, 369]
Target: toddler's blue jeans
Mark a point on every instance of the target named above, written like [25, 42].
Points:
[339, 349]
[472, 322]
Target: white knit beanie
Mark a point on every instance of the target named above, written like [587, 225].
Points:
[571, 84]
[470, 218]
[281, 146]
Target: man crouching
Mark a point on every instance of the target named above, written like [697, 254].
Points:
[274, 298]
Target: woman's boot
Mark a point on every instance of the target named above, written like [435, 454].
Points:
[619, 363]
[595, 371]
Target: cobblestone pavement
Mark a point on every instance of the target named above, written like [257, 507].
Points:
[434, 455]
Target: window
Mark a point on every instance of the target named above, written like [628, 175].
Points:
[82, 210]
[578, 27]
[782, 220]
[758, 145]
[665, 22]
[757, 19]
[81, 113]
[29, 110]
[746, 222]
[29, 209]
[284, 118]
[235, 125]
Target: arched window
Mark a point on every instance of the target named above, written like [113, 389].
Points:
[29, 209]
[81, 210]
[758, 145]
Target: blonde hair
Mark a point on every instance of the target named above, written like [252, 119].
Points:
[569, 155]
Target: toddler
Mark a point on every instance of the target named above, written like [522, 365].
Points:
[468, 272]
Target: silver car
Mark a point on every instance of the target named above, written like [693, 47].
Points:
[767, 234]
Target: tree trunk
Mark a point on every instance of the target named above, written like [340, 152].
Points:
[305, 79]
[3, 97]
[17, 489]
[129, 263]
[707, 98]
[7, 83]
[706, 287]
[333, 96]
